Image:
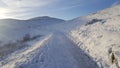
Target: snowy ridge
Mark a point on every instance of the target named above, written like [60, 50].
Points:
[107, 13]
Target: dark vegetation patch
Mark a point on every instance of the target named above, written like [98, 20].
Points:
[94, 21]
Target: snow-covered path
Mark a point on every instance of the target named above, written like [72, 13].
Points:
[57, 52]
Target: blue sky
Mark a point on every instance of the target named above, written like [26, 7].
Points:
[64, 9]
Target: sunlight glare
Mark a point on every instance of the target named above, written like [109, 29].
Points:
[3, 12]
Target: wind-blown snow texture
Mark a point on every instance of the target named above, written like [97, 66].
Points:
[85, 42]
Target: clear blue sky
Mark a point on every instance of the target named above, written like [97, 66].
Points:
[64, 9]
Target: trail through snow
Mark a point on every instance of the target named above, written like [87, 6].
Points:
[57, 51]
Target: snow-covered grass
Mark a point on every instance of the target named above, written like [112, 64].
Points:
[98, 38]
[8, 48]
[23, 54]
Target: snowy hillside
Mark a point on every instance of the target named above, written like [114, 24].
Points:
[12, 29]
[100, 37]
[85, 42]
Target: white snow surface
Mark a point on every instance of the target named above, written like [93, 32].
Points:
[54, 51]
[83, 42]
[98, 38]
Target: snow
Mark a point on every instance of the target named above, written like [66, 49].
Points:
[54, 51]
[85, 42]
[23, 55]
[12, 29]
[96, 39]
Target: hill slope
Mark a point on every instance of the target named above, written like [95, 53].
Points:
[100, 38]
[13, 29]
